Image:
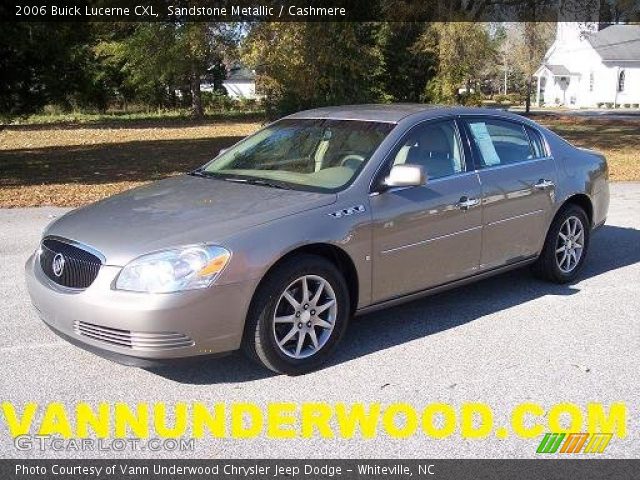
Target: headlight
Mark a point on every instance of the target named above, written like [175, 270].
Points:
[174, 270]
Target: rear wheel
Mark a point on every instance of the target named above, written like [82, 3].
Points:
[565, 247]
[298, 316]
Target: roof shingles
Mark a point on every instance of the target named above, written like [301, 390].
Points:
[619, 43]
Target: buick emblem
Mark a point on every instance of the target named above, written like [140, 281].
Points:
[57, 265]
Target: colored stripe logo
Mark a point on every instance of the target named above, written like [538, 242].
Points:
[574, 443]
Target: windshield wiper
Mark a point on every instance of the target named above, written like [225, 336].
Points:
[199, 172]
[259, 181]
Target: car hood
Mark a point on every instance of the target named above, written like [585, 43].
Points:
[178, 211]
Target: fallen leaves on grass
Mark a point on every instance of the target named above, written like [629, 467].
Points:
[72, 166]
[42, 165]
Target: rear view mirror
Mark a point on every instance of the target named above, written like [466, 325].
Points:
[406, 176]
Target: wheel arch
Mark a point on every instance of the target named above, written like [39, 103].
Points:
[583, 201]
[332, 253]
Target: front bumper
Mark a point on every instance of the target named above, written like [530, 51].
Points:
[138, 328]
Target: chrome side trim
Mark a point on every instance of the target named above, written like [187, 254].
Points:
[423, 242]
[534, 212]
[446, 286]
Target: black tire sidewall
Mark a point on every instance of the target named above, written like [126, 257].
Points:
[262, 339]
[550, 265]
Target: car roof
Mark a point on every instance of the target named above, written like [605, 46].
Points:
[395, 112]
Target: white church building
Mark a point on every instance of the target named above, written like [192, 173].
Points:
[591, 66]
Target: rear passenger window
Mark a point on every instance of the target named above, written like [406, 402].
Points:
[537, 144]
[499, 142]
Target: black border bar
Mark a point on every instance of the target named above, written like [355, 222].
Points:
[320, 10]
[547, 469]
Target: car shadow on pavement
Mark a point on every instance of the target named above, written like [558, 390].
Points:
[611, 248]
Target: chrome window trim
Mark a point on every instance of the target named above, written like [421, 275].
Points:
[543, 143]
[524, 162]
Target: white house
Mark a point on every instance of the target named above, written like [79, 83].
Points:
[240, 83]
[589, 65]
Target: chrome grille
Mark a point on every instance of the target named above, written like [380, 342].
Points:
[77, 268]
[131, 339]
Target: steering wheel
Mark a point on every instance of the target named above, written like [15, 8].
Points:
[352, 160]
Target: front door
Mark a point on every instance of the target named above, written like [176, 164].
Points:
[518, 186]
[429, 235]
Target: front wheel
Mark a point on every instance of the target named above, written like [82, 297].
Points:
[565, 247]
[298, 316]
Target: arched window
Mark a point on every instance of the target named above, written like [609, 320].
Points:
[621, 81]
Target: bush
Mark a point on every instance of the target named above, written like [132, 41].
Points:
[635, 105]
[600, 104]
[514, 98]
[500, 98]
[608, 105]
[470, 99]
[217, 101]
[248, 104]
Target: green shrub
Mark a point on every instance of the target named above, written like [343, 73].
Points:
[470, 99]
[514, 98]
[217, 101]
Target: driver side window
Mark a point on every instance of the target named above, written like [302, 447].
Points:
[435, 146]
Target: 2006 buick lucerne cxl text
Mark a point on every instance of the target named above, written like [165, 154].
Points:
[272, 246]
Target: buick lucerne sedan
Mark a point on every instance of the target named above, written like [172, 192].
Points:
[278, 241]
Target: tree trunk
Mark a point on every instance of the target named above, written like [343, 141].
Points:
[528, 99]
[196, 95]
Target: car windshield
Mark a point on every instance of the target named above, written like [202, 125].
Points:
[317, 154]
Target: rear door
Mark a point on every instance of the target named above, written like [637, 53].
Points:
[518, 180]
[429, 235]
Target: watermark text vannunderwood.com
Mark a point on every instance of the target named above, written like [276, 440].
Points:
[58, 444]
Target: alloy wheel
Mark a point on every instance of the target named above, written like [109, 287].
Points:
[570, 244]
[305, 316]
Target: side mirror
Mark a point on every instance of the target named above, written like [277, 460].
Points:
[406, 176]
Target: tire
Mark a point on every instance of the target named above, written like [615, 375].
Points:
[276, 345]
[552, 265]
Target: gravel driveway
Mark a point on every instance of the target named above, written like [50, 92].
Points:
[503, 341]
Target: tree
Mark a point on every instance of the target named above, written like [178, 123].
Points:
[529, 41]
[462, 51]
[407, 68]
[41, 65]
[158, 58]
[305, 65]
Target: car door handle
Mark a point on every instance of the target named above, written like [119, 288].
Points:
[466, 203]
[544, 184]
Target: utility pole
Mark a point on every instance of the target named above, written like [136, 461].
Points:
[506, 70]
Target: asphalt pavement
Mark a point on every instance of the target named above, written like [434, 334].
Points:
[502, 341]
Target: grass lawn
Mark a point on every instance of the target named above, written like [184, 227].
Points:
[618, 139]
[70, 164]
